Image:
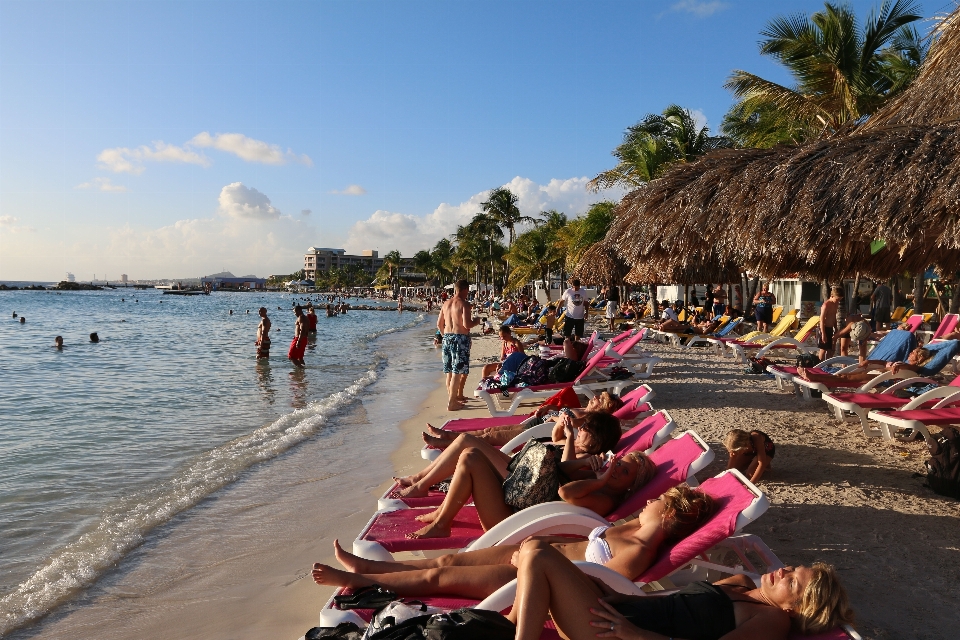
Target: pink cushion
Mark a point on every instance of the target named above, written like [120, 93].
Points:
[673, 462]
[640, 438]
[390, 530]
[625, 347]
[732, 497]
[475, 424]
[871, 400]
[622, 336]
[947, 415]
[631, 411]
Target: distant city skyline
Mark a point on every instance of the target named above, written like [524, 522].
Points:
[167, 140]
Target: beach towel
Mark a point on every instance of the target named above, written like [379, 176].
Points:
[564, 398]
[943, 352]
[894, 347]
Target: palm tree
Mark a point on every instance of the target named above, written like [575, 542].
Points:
[532, 255]
[501, 205]
[442, 255]
[654, 143]
[583, 232]
[391, 268]
[841, 73]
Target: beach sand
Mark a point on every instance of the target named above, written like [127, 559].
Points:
[835, 496]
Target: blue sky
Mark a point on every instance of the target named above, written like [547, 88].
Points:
[173, 139]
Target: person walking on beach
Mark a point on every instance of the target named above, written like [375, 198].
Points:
[576, 309]
[881, 300]
[828, 322]
[455, 321]
[299, 343]
[613, 304]
[263, 335]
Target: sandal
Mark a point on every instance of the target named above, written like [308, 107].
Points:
[371, 597]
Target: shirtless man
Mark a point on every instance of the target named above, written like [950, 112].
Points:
[455, 321]
[263, 335]
[828, 322]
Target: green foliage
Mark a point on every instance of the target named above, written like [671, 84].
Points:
[501, 207]
[533, 254]
[842, 72]
[583, 232]
[653, 144]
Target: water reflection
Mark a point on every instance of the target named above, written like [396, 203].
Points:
[298, 388]
[265, 381]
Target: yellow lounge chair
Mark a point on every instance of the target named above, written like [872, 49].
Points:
[797, 341]
[898, 314]
[762, 339]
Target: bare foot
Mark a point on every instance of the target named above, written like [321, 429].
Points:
[432, 530]
[440, 433]
[404, 481]
[326, 575]
[350, 562]
[802, 372]
[463, 399]
[436, 443]
[427, 518]
[454, 406]
[413, 491]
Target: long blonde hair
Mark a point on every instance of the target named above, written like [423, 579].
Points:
[685, 511]
[824, 604]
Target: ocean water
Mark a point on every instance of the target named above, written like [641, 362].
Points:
[101, 444]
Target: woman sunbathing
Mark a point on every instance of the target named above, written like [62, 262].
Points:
[915, 361]
[498, 436]
[598, 432]
[629, 549]
[811, 598]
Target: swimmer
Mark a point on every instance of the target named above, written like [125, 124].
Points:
[23, 320]
[94, 337]
[58, 343]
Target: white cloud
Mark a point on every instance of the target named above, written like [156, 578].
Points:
[305, 212]
[248, 149]
[124, 160]
[699, 118]
[699, 8]
[239, 201]
[351, 190]
[101, 184]
[408, 233]
[9, 224]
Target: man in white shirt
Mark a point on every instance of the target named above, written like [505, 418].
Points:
[671, 321]
[577, 310]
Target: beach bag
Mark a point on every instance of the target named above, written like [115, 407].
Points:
[371, 597]
[943, 467]
[532, 476]
[565, 370]
[534, 371]
[396, 613]
[343, 631]
[758, 365]
[620, 373]
[808, 360]
[564, 398]
[461, 624]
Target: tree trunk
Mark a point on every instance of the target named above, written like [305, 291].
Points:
[751, 290]
[854, 305]
[824, 290]
[730, 296]
[918, 291]
[955, 298]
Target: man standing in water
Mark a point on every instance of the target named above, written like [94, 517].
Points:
[263, 335]
[299, 343]
[455, 321]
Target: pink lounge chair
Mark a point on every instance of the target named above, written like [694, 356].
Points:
[913, 323]
[916, 419]
[653, 431]
[636, 404]
[678, 460]
[947, 325]
[861, 404]
[590, 380]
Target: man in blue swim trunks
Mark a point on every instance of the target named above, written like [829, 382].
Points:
[455, 321]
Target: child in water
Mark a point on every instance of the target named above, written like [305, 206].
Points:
[750, 453]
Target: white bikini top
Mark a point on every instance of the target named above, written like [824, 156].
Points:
[598, 550]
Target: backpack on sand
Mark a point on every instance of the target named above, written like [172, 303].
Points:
[462, 624]
[943, 467]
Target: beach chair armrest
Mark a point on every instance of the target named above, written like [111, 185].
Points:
[542, 430]
[949, 395]
[701, 463]
[909, 382]
[846, 360]
[535, 519]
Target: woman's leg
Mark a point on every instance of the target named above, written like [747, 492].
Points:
[446, 463]
[475, 476]
[858, 377]
[468, 582]
[548, 583]
[499, 554]
[489, 369]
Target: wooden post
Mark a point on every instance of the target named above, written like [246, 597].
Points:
[918, 291]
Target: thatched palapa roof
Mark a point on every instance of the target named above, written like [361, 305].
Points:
[814, 210]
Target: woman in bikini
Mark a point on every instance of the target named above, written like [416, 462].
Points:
[478, 477]
[597, 433]
[629, 549]
[509, 344]
[808, 598]
[606, 402]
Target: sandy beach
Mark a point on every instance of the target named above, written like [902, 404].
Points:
[835, 496]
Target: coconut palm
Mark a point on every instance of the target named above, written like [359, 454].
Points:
[841, 73]
[501, 206]
[391, 268]
[533, 254]
[583, 232]
[442, 255]
[653, 144]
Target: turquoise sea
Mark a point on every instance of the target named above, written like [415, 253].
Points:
[101, 444]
